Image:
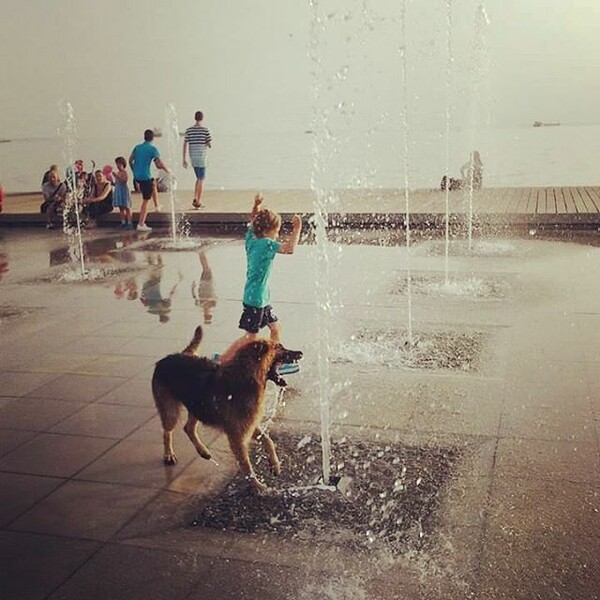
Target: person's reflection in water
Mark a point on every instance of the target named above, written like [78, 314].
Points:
[204, 292]
[100, 250]
[128, 288]
[151, 296]
[4, 265]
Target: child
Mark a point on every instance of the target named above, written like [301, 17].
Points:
[261, 247]
[121, 196]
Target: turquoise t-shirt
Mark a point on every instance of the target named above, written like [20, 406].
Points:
[260, 253]
[143, 155]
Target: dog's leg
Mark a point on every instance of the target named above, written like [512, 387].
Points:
[191, 430]
[239, 446]
[169, 457]
[269, 446]
[168, 410]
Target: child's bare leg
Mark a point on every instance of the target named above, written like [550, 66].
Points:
[230, 352]
[198, 189]
[275, 330]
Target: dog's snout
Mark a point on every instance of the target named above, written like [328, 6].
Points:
[284, 355]
[294, 355]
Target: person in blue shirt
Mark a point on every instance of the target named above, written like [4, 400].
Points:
[262, 246]
[140, 161]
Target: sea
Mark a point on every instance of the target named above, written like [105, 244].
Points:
[562, 155]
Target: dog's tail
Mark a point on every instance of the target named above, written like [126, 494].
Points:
[191, 348]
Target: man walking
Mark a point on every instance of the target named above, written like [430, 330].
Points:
[197, 139]
[140, 161]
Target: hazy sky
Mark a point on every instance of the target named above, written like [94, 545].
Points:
[247, 65]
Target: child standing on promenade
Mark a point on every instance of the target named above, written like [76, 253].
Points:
[121, 195]
[261, 247]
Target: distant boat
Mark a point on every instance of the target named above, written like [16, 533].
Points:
[542, 124]
[157, 132]
[3, 141]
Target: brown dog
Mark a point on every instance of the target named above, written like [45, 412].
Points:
[227, 396]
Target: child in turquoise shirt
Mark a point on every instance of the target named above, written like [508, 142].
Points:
[261, 247]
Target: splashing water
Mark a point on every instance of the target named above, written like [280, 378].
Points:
[494, 248]
[471, 287]
[480, 60]
[73, 201]
[460, 286]
[482, 14]
[93, 274]
[320, 200]
[479, 248]
[180, 225]
[450, 59]
[172, 140]
[433, 350]
[406, 182]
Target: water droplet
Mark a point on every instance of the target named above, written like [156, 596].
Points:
[305, 440]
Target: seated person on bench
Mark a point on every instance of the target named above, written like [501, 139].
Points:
[55, 194]
[100, 202]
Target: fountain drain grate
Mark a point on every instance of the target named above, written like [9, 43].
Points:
[459, 286]
[389, 500]
[433, 350]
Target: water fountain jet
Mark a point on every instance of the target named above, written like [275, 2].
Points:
[405, 156]
[172, 139]
[74, 197]
[449, 59]
[481, 22]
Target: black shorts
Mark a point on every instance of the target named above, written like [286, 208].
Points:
[253, 319]
[97, 209]
[146, 187]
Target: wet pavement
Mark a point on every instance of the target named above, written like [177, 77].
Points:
[87, 508]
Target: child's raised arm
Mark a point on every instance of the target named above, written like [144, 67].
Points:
[290, 244]
[258, 199]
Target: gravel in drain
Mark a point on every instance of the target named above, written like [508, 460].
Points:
[452, 350]
[387, 494]
[457, 286]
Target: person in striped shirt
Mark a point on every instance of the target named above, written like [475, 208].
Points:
[197, 140]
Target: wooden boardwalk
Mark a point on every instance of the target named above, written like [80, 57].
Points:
[504, 201]
[525, 206]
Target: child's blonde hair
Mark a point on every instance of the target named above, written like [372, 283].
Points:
[265, 221]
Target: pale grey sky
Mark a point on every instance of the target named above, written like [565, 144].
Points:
[247, 66]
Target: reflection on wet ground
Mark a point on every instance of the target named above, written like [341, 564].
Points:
[137, 268]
